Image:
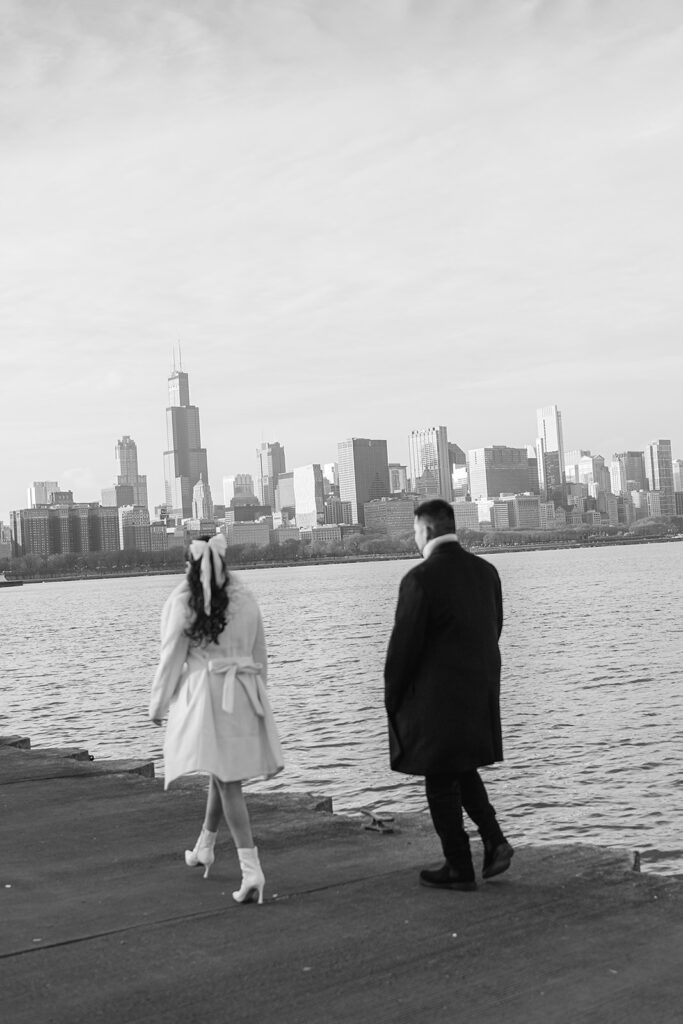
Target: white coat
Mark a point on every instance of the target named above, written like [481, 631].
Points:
[219, 716]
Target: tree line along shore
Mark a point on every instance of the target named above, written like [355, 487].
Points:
[356, 547]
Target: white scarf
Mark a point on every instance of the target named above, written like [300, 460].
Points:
[435, 542]
[208, 551]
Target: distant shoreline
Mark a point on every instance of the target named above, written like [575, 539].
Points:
[479, 549]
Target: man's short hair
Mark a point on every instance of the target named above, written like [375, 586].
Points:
[438, 514]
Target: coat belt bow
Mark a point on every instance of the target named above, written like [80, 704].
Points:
[248, 673]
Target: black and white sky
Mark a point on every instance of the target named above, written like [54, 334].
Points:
[358, 217]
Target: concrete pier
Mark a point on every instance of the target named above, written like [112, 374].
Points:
[100, 919]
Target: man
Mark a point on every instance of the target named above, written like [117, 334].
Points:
[442, 686]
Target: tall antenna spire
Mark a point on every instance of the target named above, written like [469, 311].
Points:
[180, 356]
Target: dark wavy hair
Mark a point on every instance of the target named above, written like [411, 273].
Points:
[205, 628]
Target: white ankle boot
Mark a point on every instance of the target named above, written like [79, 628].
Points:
[203, 852]
[253, 879]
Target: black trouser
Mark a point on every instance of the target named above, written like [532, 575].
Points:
[447, 796]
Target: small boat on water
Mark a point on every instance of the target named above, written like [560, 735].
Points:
[4, 582]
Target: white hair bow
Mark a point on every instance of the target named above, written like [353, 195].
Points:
[208, 551]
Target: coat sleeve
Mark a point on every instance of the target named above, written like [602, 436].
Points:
[499, 605]
[174, 647]
[406, 643]
[260, 653]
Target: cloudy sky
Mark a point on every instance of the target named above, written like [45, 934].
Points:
[358, 217]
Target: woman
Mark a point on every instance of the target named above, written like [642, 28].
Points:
[211, 684]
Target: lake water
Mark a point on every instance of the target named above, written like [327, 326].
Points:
[592, 693]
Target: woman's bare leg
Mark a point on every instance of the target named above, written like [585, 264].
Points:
[236, 813]
[212, 815]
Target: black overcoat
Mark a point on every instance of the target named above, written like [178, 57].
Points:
[442, 672]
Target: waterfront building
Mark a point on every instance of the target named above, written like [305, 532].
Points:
[331, 534]
[660, 474]
[678, 503]
[202, 503]
[65, 529]
[654, 504]
[677, 466]
[248, 533]
[309, 496]
[31, 531]
[395, 516]
[497, 470]
[40, 492]
[363, 473]
[284, 533]
[456, 456]
[460, 482]
[185, 459]
[270, 458]
[501, 513]
[628, 469]
[158, 536]
[134, 528]
[126, 455]
[429, 464]
[527, 511]
[398, 478]
[550, 454]
[466, 515]
[337, 511]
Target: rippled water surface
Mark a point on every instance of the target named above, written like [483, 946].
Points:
[592, 685]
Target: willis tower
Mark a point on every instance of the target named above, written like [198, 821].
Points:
[185, 459]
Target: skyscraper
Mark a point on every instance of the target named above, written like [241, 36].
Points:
[363, 473]
[429, 463]
[550, 453]
[660, 474]
[40, 492]
[126, 455]
[498, 470]
[202, 502]
[185, 459]
[309, 496]
[271, 462]
[628, 472]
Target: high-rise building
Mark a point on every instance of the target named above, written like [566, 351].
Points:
[65, 529]
[429, 464]
[285, 501]
[202, 503]
[134, 528]
[398, 478]
[660, 474]
[628, 472]
[126, 454]
[270, 458]
[184, 459]
[241, 485]
[498, 470]
[550, 454]
[678, 475]
[309, 496]
[363, 473]
[40, 492]
[395, 516]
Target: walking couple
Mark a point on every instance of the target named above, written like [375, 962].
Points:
[442, 681]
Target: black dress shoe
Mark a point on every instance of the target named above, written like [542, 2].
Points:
[447, 877]
[497, 859]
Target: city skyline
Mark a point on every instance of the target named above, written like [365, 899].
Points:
[421, 443]
[343, 212]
